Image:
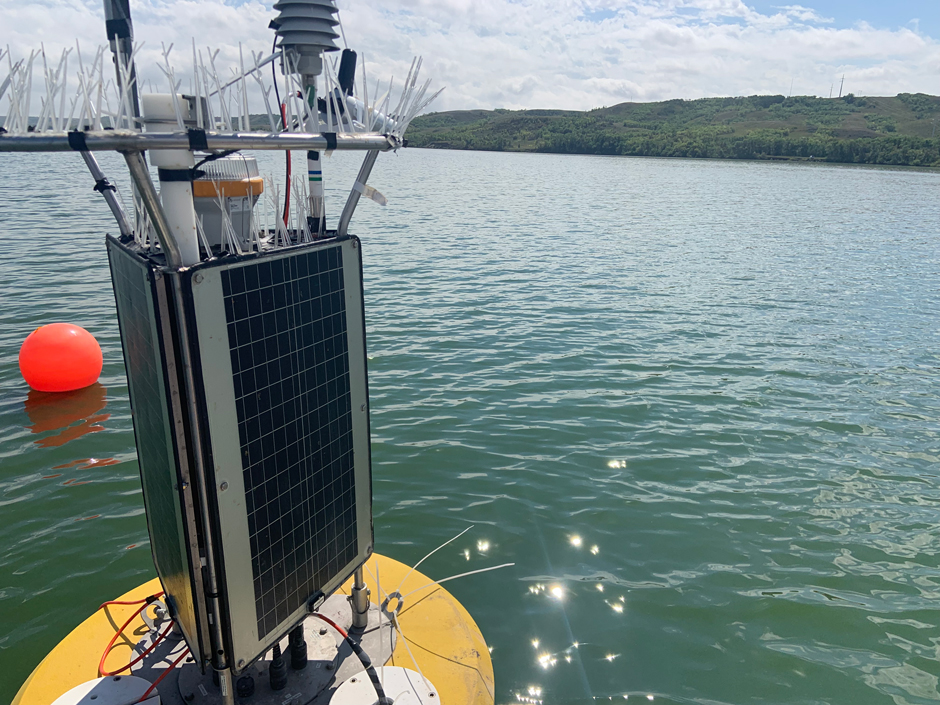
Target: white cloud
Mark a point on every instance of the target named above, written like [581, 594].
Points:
[539, 53]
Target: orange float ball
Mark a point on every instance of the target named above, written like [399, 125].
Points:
[60, 357]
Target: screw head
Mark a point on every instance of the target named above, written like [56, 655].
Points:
[223, 486]
[362, 408]
[241, 663]
[197, 278]
[322, 631]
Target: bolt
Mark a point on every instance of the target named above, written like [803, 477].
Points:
[223, 486]
[197, 278]
[329, 666]
[241, 663]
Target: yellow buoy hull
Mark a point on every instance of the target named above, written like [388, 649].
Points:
[440, 639]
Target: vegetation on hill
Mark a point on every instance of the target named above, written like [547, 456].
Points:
[904, 130]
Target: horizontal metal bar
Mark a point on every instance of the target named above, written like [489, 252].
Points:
[129, 141]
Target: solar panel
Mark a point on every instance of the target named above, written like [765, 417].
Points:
[281, 345]
[291, 375]
[142, 307]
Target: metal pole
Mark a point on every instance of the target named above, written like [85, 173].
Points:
[359, 601]
[353, 199]
[148, 194]
[110, 196]
[120, 29]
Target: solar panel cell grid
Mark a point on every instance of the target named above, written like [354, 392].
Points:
[286, 323]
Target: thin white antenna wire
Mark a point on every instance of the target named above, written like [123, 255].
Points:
[461, 575]
[401, 634]
[415, 566]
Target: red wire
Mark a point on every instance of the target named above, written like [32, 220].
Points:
[146, 601]
[137, 660]
[287, 195]
[332, 624]
[163, 675]
[118, 602]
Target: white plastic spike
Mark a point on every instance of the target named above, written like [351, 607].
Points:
[174, 84]
[200, 122]
[246, 119]
[203, 240]
[265, 92]
[224, 112]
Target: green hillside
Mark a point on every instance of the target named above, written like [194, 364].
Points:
[850, 129]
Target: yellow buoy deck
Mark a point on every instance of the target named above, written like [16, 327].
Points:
[445, 643]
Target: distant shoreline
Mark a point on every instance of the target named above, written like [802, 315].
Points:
[899, 131]
[781, 160]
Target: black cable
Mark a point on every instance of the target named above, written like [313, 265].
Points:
[213, 157]
[280, 114]
[363, 659]
[277, 93]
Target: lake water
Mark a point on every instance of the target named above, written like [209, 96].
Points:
[695, 402]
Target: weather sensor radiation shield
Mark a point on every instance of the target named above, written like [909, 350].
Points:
[281, 349]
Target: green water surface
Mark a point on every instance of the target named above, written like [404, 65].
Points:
[696, 403]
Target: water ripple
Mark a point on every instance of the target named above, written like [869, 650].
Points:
[695, 402]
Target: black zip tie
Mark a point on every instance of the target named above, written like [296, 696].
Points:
[77, 141]
[197, 140]
[103, 185]
[330, 140]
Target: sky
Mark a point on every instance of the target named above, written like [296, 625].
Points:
[573, 54]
